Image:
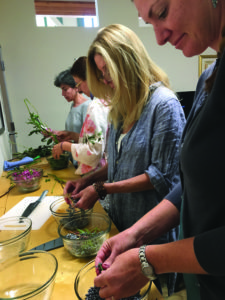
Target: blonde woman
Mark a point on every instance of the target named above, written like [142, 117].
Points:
[147, 121]
[146, 125]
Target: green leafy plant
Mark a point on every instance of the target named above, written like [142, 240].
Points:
[42, 151]
[38, 126]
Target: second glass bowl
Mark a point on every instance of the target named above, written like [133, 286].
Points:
[14, 236]
[30, 275]
[64, 214]
[86, 241]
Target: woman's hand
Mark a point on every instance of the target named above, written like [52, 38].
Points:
[73, 187]
[124, 278]
[65, 135]
[48, 132]
[114, 246]
[86, 198]
[57, 151]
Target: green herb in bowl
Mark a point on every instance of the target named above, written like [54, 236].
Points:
[86, 241]
[59, 164]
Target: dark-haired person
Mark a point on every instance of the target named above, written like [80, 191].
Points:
[78, 110]
[79, 73]
[89, 149]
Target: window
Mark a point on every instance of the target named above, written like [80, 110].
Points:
[71, 13]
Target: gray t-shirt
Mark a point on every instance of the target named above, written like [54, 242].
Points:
[76, 117]
[75, 120]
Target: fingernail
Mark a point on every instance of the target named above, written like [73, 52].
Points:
[105, 266]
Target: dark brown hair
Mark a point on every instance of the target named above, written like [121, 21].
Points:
[64, 77]
[79, 68]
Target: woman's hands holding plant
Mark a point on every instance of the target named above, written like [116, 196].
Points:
[86, 198]
[76, 190]
[72, 188]
[114, 246]
[123, 278]
[120, 260]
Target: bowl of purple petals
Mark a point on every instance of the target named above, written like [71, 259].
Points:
[27, 179]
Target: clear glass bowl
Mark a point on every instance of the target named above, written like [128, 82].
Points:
[85, 280]
[14, 236]
[59, 164]
[87, 241]
[27, 185]
[63, 214]
[30, 275]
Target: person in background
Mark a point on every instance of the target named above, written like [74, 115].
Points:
[77, 114]
[89, 149]
[78, 110]
[79, 73]
[147, 121]
[197, 203]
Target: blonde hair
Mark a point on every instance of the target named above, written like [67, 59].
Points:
[131, 70]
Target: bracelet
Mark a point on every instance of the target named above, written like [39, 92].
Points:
[61, 146]
[100, 189]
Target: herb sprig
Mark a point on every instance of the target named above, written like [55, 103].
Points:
[39, 126]
[57, 179]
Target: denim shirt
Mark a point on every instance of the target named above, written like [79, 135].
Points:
[151, 147]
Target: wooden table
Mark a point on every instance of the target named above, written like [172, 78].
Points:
[68, 265]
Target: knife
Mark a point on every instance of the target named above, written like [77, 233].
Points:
[31, 207]
[53, 244]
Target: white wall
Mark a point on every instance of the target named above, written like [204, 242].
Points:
[5, 149]
[34, 56]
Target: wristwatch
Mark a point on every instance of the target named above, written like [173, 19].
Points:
[147, 269]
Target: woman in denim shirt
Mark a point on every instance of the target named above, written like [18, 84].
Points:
[147, 121]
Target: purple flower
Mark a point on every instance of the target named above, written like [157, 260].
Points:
[26, 175]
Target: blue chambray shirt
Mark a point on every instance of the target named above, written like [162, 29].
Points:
[151, 147]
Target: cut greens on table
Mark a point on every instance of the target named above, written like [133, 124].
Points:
[42, 151]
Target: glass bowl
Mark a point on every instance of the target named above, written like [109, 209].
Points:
[30, 275]
[27, 182]
[87, 241]
[59, 164]
[14, 236]
[85, 281]
[64, 214]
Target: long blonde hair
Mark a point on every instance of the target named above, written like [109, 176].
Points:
[131, 70]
